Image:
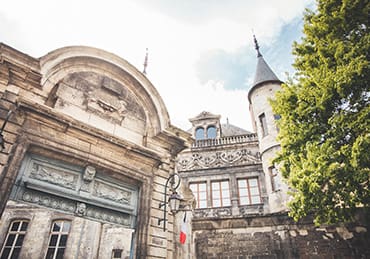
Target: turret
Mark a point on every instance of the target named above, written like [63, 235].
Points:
[265, 84]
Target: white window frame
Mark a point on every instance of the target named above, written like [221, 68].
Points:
[64, 231]
[248, 189]
[223, 194]
[196, 191]
[19, 232]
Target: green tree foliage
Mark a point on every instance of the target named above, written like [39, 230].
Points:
[325, 114]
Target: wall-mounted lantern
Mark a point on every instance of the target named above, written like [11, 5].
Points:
[2, 141]
[173, 200]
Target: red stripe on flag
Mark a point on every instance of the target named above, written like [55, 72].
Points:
[183, 233]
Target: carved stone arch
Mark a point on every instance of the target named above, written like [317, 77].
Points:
[63, 65]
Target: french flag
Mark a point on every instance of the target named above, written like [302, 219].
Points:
[183, 230]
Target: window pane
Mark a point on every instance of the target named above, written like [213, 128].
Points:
[199, 134]
[63, 240]
[57, 226]
[215, 186]
[225, 185]
[254, 191]
[243, 192]
[19, 241]
[216, 203]
[263, 123]
[10, 240]
[211, 132]
[255, 199]
[50, 253]
[5, 253]
[242, 183]
[117, 253]
[66, 226]
[215, 195]
[244, 201]
[226, 202]
[15, 226]
[202, 187]
[24, 226]
[253, 182]
[202, 204]
[202, 196]
[60, 253]
[53, 240]
[15, 253]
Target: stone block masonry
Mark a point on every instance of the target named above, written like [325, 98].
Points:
[277, 237]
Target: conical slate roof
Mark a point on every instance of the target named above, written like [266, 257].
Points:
[263, 72]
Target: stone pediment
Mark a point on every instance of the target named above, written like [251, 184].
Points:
[205, 116]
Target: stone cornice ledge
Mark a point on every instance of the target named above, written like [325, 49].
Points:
[89, 130]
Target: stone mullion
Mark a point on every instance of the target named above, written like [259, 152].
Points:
[234, 195]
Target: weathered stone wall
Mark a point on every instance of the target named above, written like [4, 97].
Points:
[278, 237]
[86, 239]
[85, 106]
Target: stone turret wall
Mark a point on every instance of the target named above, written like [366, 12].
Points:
[268, 144]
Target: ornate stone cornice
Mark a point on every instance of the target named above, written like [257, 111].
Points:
[215, 159]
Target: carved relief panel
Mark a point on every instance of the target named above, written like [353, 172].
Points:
[215, 159]
[84, 93]
[75, 190]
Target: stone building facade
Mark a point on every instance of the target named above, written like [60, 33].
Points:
[88, 147]
[87, 151]
[240, 209]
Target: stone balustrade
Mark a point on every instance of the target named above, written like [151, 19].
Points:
[225, 140]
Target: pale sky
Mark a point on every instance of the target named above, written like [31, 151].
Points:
[201, 53]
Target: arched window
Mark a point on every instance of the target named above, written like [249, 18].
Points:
[263, 123]
[58, 239]
[211, 132]
[14, 239]
[199, 133]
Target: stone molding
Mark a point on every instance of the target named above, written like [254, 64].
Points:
[213, 213]
[74, 190]
[74, 207]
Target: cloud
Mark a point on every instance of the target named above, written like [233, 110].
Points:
[235, 69]
[200, 52]
[231, 68]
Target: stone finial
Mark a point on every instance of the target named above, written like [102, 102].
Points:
[145, 62]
